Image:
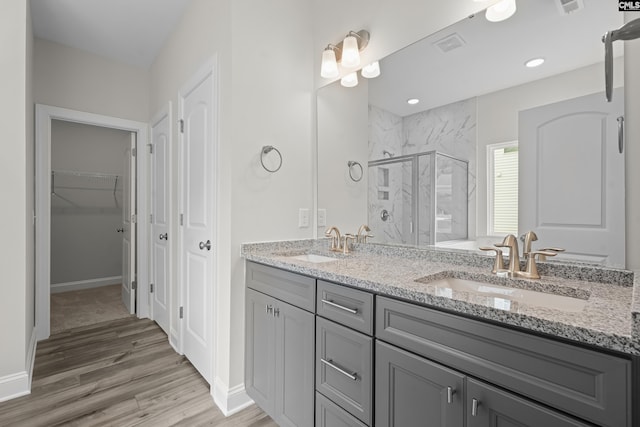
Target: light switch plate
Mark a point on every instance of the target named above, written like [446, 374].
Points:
[322, 217]
[303, 217]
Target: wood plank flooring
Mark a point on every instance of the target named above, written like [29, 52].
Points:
[118, 373]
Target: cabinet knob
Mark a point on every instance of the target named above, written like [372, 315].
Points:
[276, 312]
[474, 407]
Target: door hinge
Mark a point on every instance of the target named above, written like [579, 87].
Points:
[181, 219]
[134, 285]
[151, 288]
[181, 123]
[151, 218]
[134, 152]
[150, 148]
[181, 312]
[134, 218]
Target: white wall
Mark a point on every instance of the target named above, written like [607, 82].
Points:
[498, 114]
[16, 187]
[84, 243]
[343, 118]
[75, 79]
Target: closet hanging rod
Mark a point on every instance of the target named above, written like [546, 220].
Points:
[85, 174]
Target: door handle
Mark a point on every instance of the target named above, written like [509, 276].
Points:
[119, 230]
[203, 245]
[164, 236]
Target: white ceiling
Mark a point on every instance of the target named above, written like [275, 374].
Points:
[493, 55]
[129, 31]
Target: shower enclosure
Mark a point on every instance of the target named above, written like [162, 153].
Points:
[418, 199]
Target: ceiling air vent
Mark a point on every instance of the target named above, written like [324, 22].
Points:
[449, 43]
[569, 6]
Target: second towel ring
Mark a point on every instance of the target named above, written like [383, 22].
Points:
[351, 164]
[266, 150]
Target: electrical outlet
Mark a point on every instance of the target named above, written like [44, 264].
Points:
[322, 217]
[303, 217]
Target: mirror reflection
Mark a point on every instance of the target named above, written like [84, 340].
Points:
[488, 146]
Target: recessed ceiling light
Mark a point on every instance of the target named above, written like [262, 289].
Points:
[535, 62]
[412, 101]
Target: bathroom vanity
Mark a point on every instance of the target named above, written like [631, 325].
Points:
[401, 337]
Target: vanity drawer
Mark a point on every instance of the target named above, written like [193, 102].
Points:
[344, 368]
[347, 306]
[296, 289]
[328, 414]
[586, 383]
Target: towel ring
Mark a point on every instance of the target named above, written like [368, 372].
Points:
[351, 164]
[266, 150]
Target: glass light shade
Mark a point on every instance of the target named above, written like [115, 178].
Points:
[371, 71]
[501, 10]
[329, 67]
[350, 52]
[350, 80]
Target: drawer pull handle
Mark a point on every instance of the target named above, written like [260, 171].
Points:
[352, 376]
[474, 407]
[341, 307]
[450, 393]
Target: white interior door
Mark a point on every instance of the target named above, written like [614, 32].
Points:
[197, 221]
[129, 227]
[160, 211]
[571, 178]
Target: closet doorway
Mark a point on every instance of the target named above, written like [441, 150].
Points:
[90, 231]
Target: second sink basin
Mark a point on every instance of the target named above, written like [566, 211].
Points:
[313, 258]
[503, 296]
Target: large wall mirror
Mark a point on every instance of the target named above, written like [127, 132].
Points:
[491, 147]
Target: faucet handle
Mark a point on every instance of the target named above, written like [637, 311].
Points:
[543, 257]
[498, 264]
[531, 270]
[345, 246]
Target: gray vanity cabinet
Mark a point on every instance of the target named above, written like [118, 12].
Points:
[411, 390]
[279, 372]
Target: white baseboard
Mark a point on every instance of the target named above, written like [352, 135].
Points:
[19, 384]
[14, 385]
[174, 341]
[229, 400]
[85, 284]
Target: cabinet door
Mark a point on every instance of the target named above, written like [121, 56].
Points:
[488, 406]
[260, 350]
[413, 391]
[294, 359]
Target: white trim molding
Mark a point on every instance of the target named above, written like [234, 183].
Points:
[230, 400]
[44, 115]
[19, 384]
[85, 284]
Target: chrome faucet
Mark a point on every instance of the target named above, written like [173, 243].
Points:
[363, 233]
[336, 238]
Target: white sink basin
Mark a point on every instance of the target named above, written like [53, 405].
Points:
[503, 296]
[313, 258]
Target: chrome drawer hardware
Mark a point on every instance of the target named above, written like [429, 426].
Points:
[352, 376]
[164, 236]
[474, 407]
[450, 393]
[341, 307]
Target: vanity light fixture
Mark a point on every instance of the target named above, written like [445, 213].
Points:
[500, 11]
[350, 80]
[371, 71]
[329, 68]
[413, 101]
[347, 53]
[534, 62]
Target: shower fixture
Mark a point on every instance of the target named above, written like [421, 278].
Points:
[629, 31]
[387, 153]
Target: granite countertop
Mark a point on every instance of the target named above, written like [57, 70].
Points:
[605, 302]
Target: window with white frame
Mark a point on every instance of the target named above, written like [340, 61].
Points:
[502, 168]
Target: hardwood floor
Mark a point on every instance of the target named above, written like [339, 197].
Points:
[118, 373]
